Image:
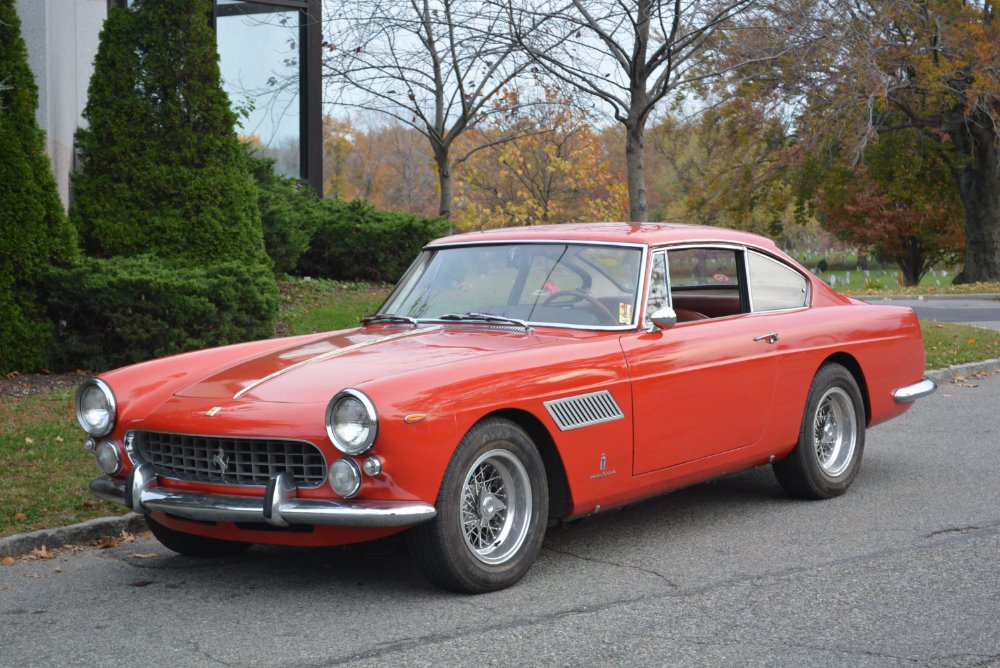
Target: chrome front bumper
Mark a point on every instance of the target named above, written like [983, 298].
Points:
[278, 507]
[913, 392]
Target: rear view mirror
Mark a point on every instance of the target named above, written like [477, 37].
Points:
[664, 318]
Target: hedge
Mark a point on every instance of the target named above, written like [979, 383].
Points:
[123, 310]
[356, 241]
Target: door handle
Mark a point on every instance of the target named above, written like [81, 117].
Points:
[771, 338]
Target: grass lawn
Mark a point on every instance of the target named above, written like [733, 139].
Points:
[44, 470]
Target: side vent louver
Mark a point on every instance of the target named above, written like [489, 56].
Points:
[584, 410]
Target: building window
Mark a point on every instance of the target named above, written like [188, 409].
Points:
[269, 54]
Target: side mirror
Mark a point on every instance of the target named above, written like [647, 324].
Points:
[664, 318]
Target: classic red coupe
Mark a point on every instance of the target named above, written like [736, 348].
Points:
[513, 377]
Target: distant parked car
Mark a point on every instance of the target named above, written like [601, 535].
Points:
[511, 377]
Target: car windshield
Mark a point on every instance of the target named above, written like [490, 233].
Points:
[582, 285]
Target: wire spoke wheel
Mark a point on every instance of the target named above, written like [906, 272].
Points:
[495, 506]
[834, 433]
[827, 456]
[492, 507]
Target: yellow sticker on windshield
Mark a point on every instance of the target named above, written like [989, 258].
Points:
[624, 313]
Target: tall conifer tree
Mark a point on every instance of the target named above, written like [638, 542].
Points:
[163, 171]
[34, 232]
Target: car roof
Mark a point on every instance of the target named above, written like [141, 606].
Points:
[639, 233]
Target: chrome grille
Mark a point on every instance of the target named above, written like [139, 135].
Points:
[229, 461]
[584, 410]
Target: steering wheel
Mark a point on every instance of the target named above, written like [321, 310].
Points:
[575, 296]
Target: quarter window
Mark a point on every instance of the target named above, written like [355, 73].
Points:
[775, 286]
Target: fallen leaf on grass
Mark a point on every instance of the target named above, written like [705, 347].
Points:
[19, 516]
[29, 440]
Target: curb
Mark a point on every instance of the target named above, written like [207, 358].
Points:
[75, 534]
[948, 374]
[91, 530]
[985, 296]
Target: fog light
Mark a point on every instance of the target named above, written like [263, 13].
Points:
[109, 457]
[373, 466]
[345, 477]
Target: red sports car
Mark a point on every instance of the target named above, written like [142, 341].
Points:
[512, 377]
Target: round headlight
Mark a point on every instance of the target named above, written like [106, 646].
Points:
[351, 422]
[109, 457]
[96, 407]
[345, 477]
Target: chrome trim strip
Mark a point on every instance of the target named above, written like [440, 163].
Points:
[334, 353]
[284, 511]
[913, 392]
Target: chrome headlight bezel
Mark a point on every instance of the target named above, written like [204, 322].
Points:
[103, 427]
[369, 429]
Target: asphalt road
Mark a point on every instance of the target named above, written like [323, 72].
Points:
[903, 570]
[967, 310]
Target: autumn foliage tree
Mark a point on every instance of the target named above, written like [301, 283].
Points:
[723, 167]
[432, 65]
[886, 66]
[899, 203]
[554, 172]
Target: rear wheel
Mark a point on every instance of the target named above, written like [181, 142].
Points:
[191, 545]
[827, 457]
[492, 509]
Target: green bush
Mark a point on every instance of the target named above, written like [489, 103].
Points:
[289, 214]
[34, 232]
[163, 170]
[356, 241]
[124, 310]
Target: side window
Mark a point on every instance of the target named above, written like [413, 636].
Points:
[704, 283]
[775, 286]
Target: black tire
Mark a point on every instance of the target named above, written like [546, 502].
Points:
[831, 442]
[191, 545]
[473, 545]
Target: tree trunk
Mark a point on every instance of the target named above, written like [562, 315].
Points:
[911, 262]
[635, 162]
[979, 185]
[444, 183]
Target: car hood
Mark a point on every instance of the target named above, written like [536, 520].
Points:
[314, 371]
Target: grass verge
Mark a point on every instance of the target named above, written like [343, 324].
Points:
[44, 470]
[946, 344]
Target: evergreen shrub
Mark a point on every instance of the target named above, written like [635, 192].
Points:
[356, 241]
[34, 232]
[124, 310]
[289, 214]
[163, 170]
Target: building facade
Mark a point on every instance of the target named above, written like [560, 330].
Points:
[270, 60]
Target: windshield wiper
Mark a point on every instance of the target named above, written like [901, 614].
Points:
[485, 317]
[389, 317]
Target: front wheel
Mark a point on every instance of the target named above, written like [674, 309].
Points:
[827, 457]
[492, 508]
